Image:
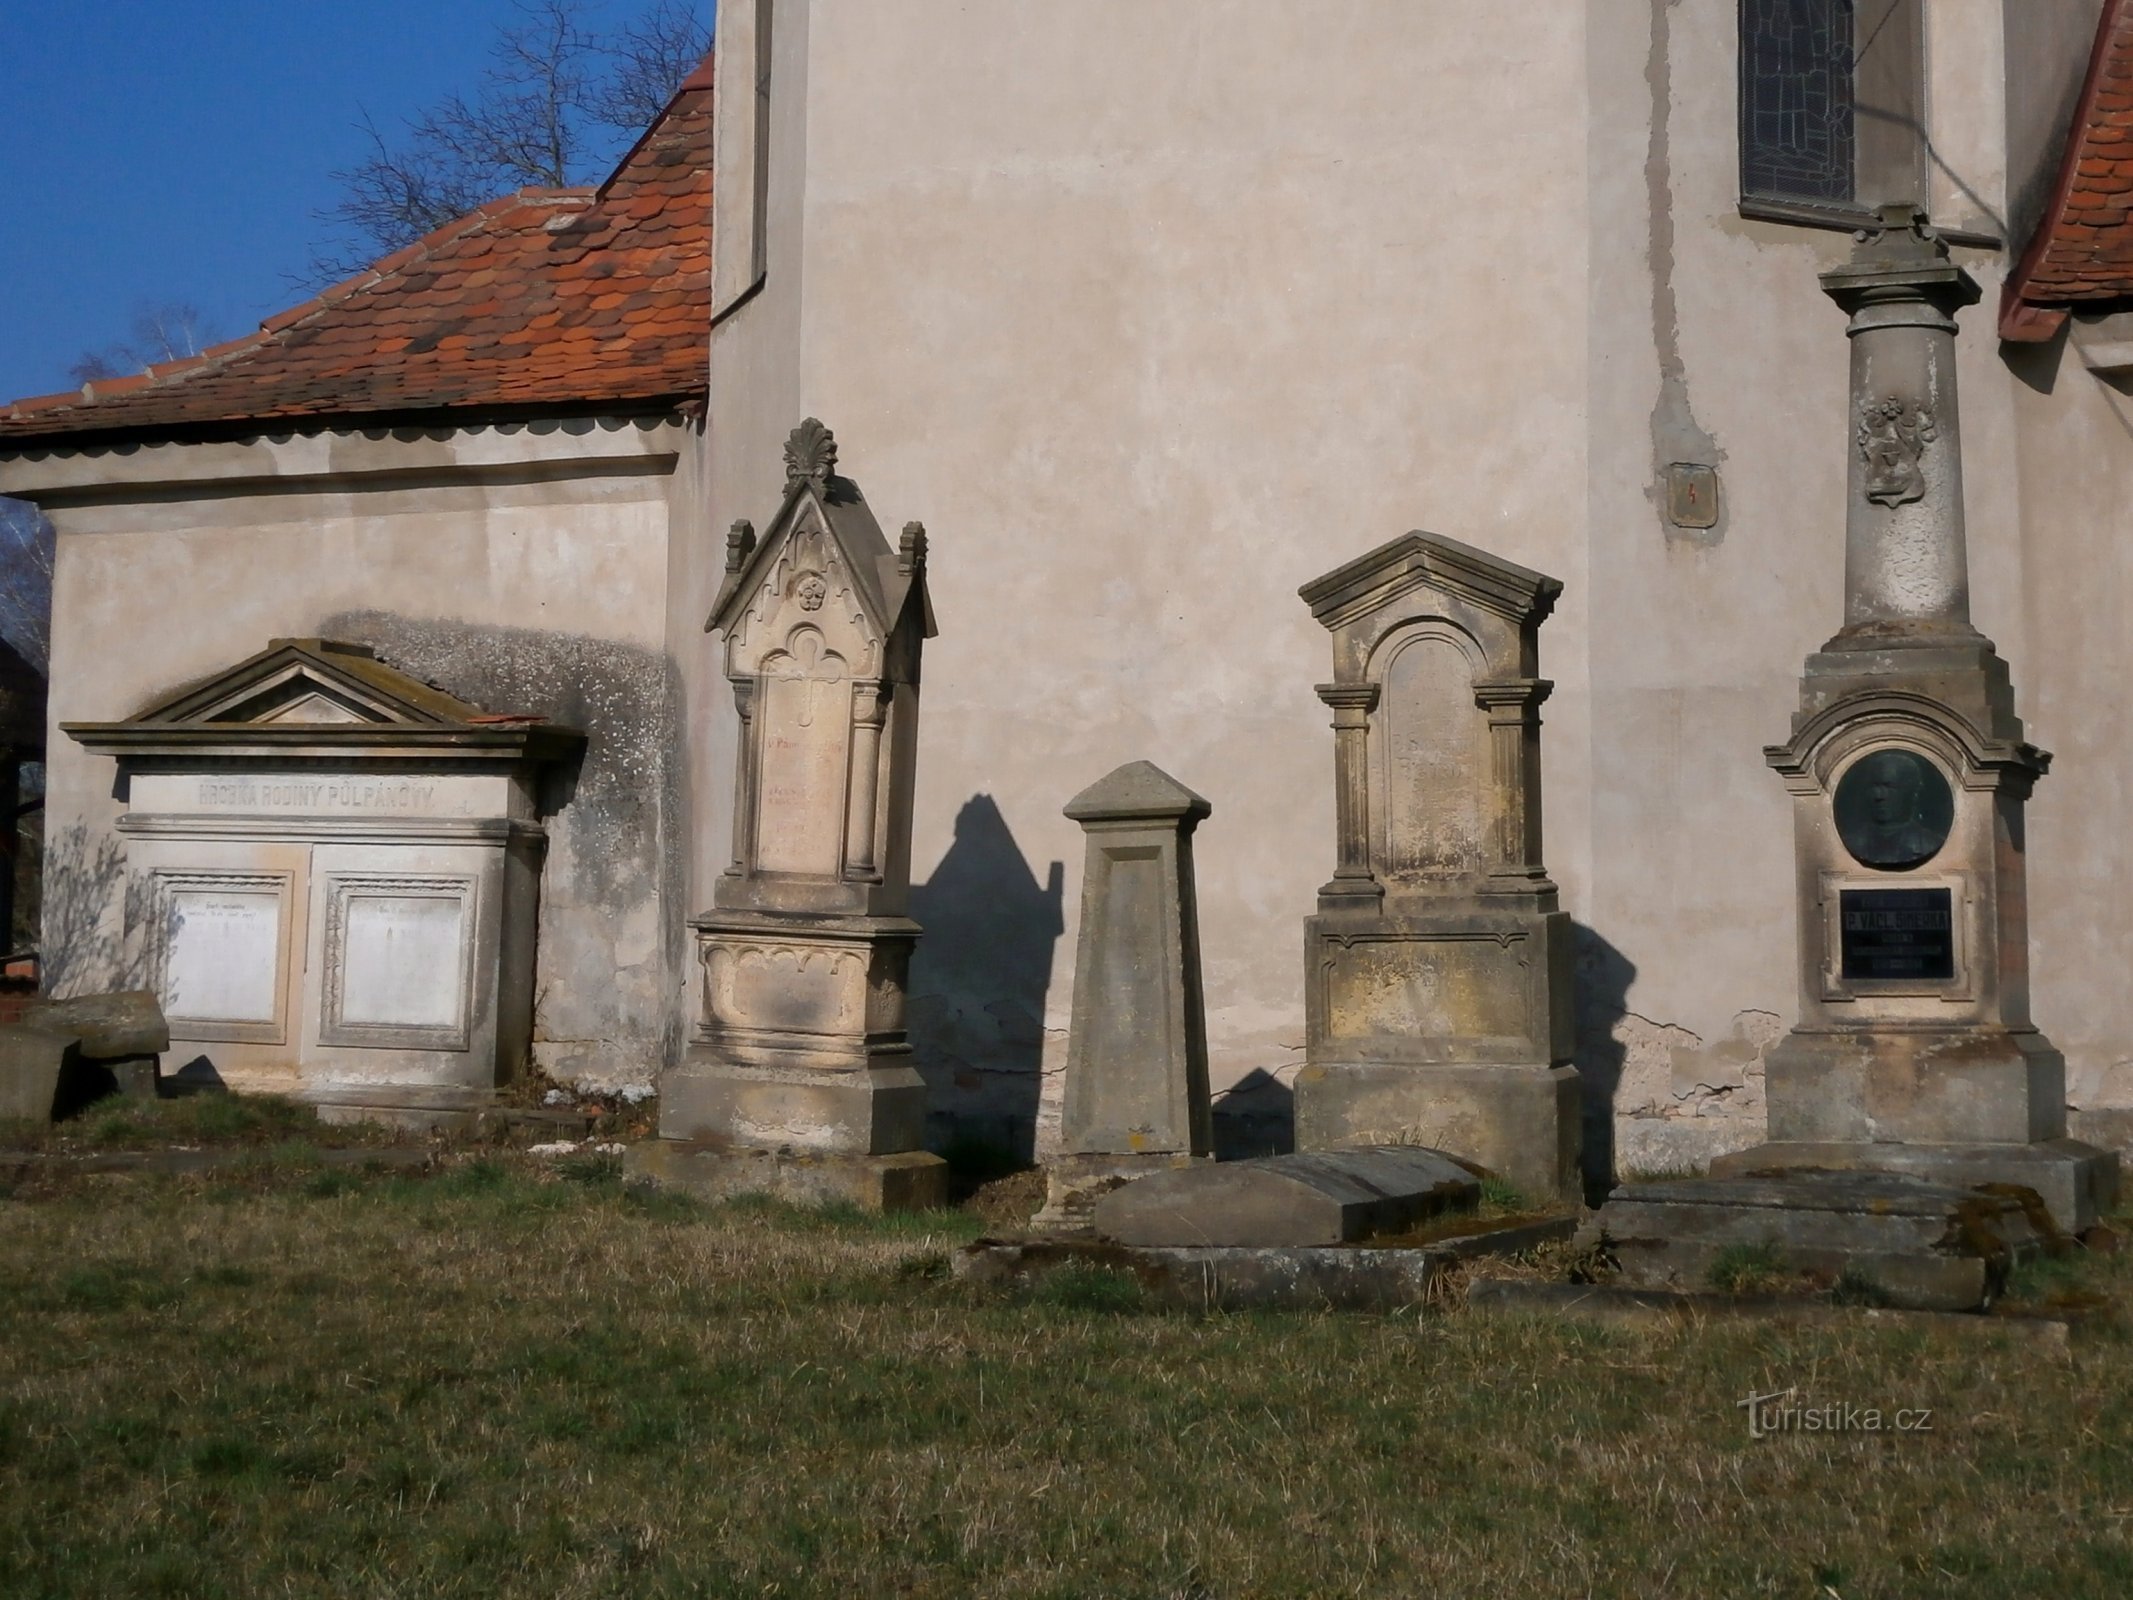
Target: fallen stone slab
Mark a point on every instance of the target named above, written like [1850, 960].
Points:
[1235, 1278]
[1612, 1305]
[32, 1063]
[127, 1022]
[1915, 1244]
[1314, 1197]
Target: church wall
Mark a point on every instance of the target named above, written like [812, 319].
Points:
[1153, 313]
[521, 568]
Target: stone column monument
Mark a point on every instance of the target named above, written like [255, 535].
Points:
[1136, 1074]
[799, 1078]
[1437, 971]
[1915, 1052]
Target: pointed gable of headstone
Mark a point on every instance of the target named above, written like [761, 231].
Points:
[822, 553]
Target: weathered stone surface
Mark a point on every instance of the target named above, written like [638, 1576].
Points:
[2078, 1183]
[128, 1023]
[909, 1180]
[32, 1062]
[800, 1052]
[1136, 1075]
[1491, 1114]
[1438, 961]
[2108, 1128]
[338, 867]
[1309, 1198]
[1909, 773]
[1922, 1245]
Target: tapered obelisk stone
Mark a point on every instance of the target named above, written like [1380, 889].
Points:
[799, 1078]
[1136, 1074]
[1437, 971]
[1915, 1051]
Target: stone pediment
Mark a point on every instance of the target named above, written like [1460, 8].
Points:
[320, 696]
[1430, 561]
[823, 555]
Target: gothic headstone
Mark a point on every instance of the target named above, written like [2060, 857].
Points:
[1136, 1074]
[1915, 1051]
[1437, 970]
[799, 1076]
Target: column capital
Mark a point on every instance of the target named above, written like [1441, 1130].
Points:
[1523, 693]
[1901, 258]
[1349, 696]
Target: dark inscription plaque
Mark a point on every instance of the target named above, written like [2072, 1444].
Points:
[1897, 933]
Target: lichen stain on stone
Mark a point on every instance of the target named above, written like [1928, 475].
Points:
[610, 934]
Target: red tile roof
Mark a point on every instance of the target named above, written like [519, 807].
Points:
[586, 299]
[2082, 252]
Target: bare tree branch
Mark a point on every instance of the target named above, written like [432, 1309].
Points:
[531, 123]
[647, 60]
[26, 554]
[169, 331]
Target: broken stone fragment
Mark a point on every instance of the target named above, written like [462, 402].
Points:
[32, 1061]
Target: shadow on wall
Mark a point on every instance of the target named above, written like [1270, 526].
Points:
[610, 940]
[1603, 977]
[1255, 1116]
[978, 982]
[90, 904]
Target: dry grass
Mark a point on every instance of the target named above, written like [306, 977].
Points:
[504, 1380]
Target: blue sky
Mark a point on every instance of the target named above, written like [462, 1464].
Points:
[156, 151]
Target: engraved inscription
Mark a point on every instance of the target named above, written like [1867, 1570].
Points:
[318, 794]
[1897, 933]
[222, 954]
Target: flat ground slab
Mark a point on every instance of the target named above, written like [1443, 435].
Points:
[1909, 1242]
[1314, 1197]
[1292, 1277]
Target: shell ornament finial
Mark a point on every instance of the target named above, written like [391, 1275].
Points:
[810, 455]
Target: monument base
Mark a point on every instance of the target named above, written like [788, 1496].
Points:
[870, 1110]
[1520, 1123]
[1907, 1242]
[2077, 1182]
[1922, 1085]
[1074, 1183]
[910, 1180]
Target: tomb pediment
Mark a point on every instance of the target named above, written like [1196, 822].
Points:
[1432, 562]
[321, 693]
[822, 565]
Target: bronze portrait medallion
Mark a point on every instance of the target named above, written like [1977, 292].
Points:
[1894, 810]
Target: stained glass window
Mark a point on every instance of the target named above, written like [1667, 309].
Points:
[1796, 114]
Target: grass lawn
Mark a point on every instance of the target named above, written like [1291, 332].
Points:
[509, 1377]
